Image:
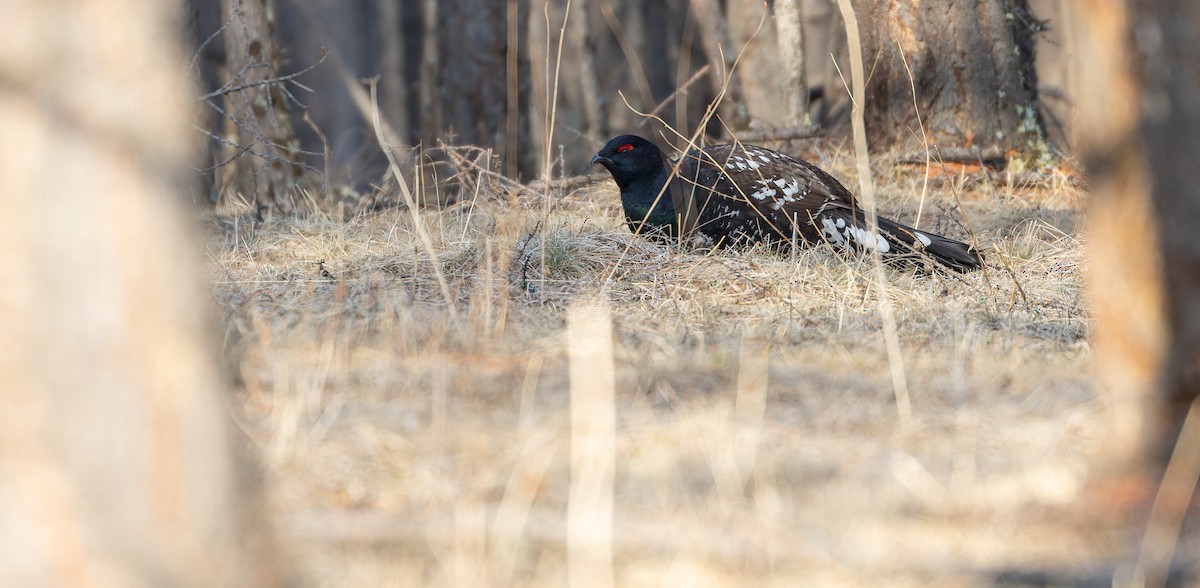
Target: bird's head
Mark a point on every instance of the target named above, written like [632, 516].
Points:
[629, 158]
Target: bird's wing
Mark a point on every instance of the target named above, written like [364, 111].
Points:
[766, 187]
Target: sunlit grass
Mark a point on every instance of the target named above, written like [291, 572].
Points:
[405, 444]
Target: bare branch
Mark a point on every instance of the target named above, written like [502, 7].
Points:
[275, 80]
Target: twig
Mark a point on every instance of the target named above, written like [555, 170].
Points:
[999, 178]
[275, 80]
[207, 41]
[1006, 265]
[328, 156]
[993, 158]
[631, 56]
[682, 89]
[786, 134]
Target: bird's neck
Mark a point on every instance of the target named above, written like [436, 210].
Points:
[645, 199]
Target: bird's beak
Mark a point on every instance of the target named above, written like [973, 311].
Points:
[600, 160]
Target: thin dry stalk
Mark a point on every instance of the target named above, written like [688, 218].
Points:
[326, 190]
[682, 67]
[974, 240]
[681, 90]
[414, 212]
[924, 136]
[751, 404]
[551, 113]
[593, 447]
[1166, 516]
[866, 197]
[631, 56]
[512, 515]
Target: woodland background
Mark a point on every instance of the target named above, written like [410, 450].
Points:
[989, 77]
[399, 335]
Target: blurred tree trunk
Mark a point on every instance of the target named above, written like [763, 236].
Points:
[972, 65]
[767, 90]
[539, 105]
[1169, 38]
[582, 82]
[394, 82]
[261, 120]
[430, 111]
[721, 53]
[1140, 137]
[116, 461]
[1125, 276]
[790, 37]
[358, 40]
[202, 19]
[472, 91]
[826, 47]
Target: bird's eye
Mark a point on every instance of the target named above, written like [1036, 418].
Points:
[626, 148]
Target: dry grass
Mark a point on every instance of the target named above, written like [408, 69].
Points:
[757, 439]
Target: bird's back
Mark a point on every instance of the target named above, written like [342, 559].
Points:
[734, 193]
[743, 192]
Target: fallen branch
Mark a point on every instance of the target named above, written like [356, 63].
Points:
[786, 134]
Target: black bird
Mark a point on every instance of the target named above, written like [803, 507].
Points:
[728, 194]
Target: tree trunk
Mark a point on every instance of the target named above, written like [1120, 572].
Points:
[116, 461]
[202, 19]
[430, 113]
[358, 40]
[972, 66]
[394, 82]
[790, 36]
[261, 121]
[584, 86]
[1140, 137]
[1171, 130]
[762, 77]
[1125, 278]
[538, 107]
[721, 52]
[1140, 147]
[473, 91]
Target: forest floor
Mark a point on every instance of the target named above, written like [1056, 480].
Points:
[758, 439]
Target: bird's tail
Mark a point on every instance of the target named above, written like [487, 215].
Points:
[896, 241]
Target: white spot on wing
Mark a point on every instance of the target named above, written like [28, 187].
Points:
[791, 190]
[865, 239]
[923, 238]
[830, 230]
[763, 193]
